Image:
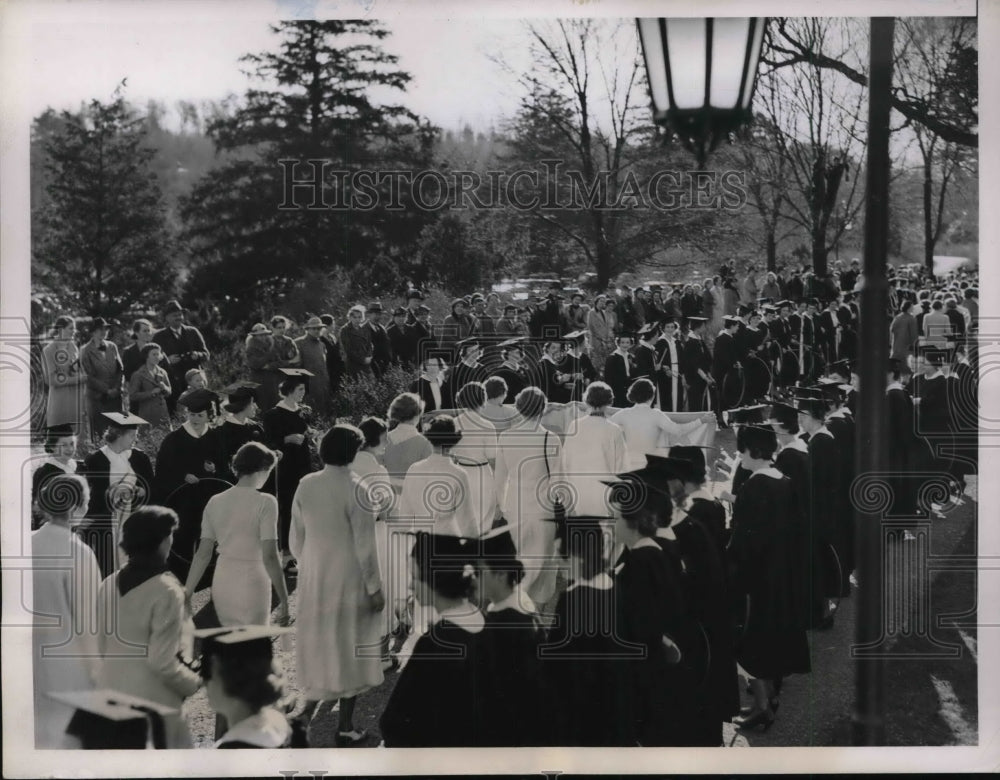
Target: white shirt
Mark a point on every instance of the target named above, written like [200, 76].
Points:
[437, 492]
[69, 468]
[648, 430]
[600, 581]
[795, 444]
[266, 729]
[518, 600]
[120, 466]
[479, 438]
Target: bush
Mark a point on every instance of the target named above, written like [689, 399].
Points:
[364, 395]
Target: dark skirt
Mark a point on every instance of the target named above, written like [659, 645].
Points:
[767, 653]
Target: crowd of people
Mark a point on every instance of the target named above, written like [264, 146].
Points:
[538, 538]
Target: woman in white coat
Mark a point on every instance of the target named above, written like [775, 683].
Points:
[594, 450]
[528, 457]
[340, 586]
[65, 577]
[476, 454]
[150, 629]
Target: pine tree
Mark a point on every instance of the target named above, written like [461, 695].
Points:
[314, 102]
[101, 238]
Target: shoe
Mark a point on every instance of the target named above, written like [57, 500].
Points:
[351, 738]
[762, 719]
[292, 568]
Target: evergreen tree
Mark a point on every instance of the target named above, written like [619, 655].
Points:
[100, 232]
[314, 102]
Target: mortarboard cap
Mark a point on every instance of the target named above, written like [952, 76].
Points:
[290, 372]
[576, 335]
[782, 413]
[239, 393]
[498, 543]
[814, 407]
[693, 453]
[934, 354]
[124, 420]
[648, 329]
[697, 320]
[625, 334]
[514, 343]
[233, 642]
[746, 415]
[782, 304]
[472, 341]
[731, 319]
[197, 401]
[106, 719]
[841, 367]
[672, 467]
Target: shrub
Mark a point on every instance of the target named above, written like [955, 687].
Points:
[364, 395]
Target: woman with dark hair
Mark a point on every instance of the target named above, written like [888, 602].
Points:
[340, 584]
[434, 701]
[65, 593]
[527, 457]
[243, 523]
[765, 553]
[651, 612]
[149, 387]
[144, 603]
[132, 357]
[237, 428]
[243, 684]
[431, 386]
[60, 448]
[64, 377]
[285, 430]
[508, 693]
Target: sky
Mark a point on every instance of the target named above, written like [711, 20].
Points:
[173, 56]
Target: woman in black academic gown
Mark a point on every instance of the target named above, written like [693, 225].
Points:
[434, 702]
[285, 430]
[237, 429]
[508, 666]
[652, 614]
[186, 478]
[765, 553]
[60, 450]
[901, 442]
[589, 696]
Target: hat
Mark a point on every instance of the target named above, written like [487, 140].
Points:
[625, 334]
[458, 301]
[122, 420]
[576, 335]
[731, 319]
[172, 307]
[554, 296]
[514, 343]
[782, 413]
[692, 453]
[807, 393]
[498, 543]
[197, 401]
[696, 321]
[442, 552]
[414, 295]
[238, 394]
[934, 354]
[375, 306]
[672, 467]
[746, 415]
[464, 344]
[897, 366]
[260, 329]
[106, 719]
[291, 372]
[635, 490]
[811, 406]
[422, 309]
[648, 329]
[399, 311]
[58, 431]
[782, 304]
[98, 323]
[655, 288]
[477, 297]
[313, 322]
[843, 367]
[238, 642]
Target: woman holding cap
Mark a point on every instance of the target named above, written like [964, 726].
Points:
[340, 586]
[286, 430]
[152, 632]
[243, 523]
[149, 387]
[64, 376]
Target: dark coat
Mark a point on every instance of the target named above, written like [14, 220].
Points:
[422, 388]
[190, 346]
[619, 374]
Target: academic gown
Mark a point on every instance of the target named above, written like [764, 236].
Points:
[181, 454]
[554, 391]
[696, 355]
[461, 374]
[903, 451]
[573, 364]
[670, 388]
[508, 681]
[515, 378]
[39, 477]
[584, 675]
[826, 505]
[842, 428]
[619, 373]
[765, 555]
[226, 439]
[434, 702]
[295, 463]
[97, 531]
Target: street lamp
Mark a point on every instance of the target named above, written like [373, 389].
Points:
[702, 74]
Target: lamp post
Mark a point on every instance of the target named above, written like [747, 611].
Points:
[702, 74]
[868, 720]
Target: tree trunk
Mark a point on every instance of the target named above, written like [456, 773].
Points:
[928, 215]
[772, 250]
[819, 253]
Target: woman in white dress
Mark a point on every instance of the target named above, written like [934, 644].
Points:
[645, 427]
[65, 577]
[243, 522]
[378, 492]
[340, 586]
[594, 450]
[150, 629]
[528, 456]
[476, 454]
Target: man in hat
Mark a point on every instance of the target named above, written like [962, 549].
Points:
[100, 361]
[184, 347]
[850, 277]
[619, 369]
[508, 326]
[629, 314]
[120, 478]
[697, 367]
[414, 298]
[186, 475]
[602, 325]
[312, 350]
[355, 340]
[575, 316]
[457, 326]
[334, 360]
[263, 362]
[403, 351]
[421, 334]
[381, 346]
[670, 373]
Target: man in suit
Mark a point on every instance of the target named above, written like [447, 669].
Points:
[381, 346]
[697, 366]
[355, 340]
[184, 347]
[414, 299]
[403, 351]
[629, 314]
[334, 360]
[421, 334]
[508, 326]
[577, 364]
[619, 371]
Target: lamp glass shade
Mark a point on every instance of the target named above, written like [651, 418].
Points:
[756, 44]
[652, 47]
[729, 41]
[686, 40]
